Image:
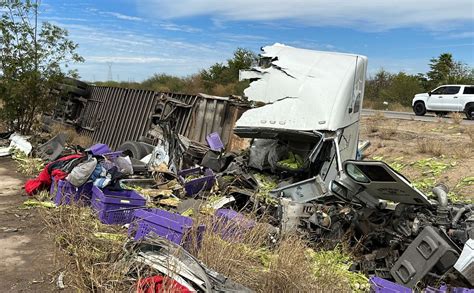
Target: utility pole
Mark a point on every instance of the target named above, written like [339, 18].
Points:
[110, 77]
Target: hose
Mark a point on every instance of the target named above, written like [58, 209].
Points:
[441, 192]
[459, 214]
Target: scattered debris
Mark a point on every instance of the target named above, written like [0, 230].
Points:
[299, 176]
[60, 281]
[32, 203]
[17, 142]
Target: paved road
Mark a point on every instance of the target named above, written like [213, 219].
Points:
[412, 116]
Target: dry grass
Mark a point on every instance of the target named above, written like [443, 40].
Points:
[457, 118]
[399, 107]
[372, 126]
[371, 104]
[388, 131]
[97, 264]
[470, 132]
[72, 137]
[432, 147]
[286, 265]
[373, 122]
[91, 262]
[81, 140]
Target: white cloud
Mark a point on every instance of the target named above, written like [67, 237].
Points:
[131, 59]
[124, 16]
[460, 35]
[137, 54]
[375, 15]
[179, 28]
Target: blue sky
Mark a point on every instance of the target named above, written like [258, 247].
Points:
[180, 37]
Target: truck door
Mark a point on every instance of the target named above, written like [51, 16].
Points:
[434, 100]
[450, 99]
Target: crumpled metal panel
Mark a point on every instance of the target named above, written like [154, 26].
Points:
[115, 115]
[305, 90]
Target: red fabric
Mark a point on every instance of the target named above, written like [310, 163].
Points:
[58, 174]
[157, 284]
[43, 180]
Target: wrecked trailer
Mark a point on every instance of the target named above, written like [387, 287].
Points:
[114, 116]
[312, 107]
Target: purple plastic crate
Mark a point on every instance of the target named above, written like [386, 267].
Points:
[380, 285]
[230, 224]
[171, 226]
[99, 149]
[461, 290]
[205, 182]
[214, 141]
[116, 207]
[66, 193]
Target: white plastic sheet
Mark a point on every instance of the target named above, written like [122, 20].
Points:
[19, 142]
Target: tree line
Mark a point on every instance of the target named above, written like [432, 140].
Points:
[396, 90]
[383, 90]
[221, 79]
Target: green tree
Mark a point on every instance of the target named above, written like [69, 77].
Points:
[223, 79]
[445, 70]
[376, 84]
[30, 63]
[402, 89]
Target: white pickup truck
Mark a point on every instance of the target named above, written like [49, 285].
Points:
[444, 99]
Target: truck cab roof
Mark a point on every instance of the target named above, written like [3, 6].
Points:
[304, 90]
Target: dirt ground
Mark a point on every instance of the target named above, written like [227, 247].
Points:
[27, 258]
[426, 153]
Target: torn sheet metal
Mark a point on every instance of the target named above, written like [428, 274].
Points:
[305, 90]
[303, 191]
[52, 149]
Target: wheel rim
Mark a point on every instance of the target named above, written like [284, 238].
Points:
[419, 108]
[469, 112]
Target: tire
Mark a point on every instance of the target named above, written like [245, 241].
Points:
[469, 112]
[133, 149]
[69, 89]
[75, 82]
[419, 109]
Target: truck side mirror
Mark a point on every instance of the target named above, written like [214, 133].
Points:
[429, 93]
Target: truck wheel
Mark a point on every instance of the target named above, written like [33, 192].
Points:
[133, 149]
[419, 109]
[470, 112]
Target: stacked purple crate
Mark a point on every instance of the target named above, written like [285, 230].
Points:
[174, 227]
[116, 207]
[66, 193]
